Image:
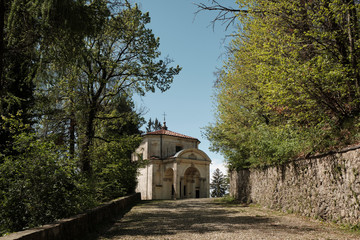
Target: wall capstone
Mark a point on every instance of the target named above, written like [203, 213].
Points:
[80, 225]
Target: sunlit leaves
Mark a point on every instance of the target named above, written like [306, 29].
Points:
[290, 85]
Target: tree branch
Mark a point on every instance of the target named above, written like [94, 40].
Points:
[227, 15]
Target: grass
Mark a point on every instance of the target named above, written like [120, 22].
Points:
[351, 227]
[228, 200]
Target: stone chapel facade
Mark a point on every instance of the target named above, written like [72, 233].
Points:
[176, 167]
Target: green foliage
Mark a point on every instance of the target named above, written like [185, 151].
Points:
[219, 184]
[121, 58]
[153, 125]
[68, 70]
[29, 33]
[228, 200]
[290, 85]
[38, 185]
[351, 228]
[117, 137]
[43, 183]
[114, 172]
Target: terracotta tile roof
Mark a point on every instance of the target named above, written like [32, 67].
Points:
[169, 133]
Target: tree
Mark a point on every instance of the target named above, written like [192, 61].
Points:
[153, 125]
[290, 85]
[121, 120]
[225, 14]
[115, 140]
[120, 59]
[114, 173]
[219, 184]
[17, 56]
[68, 71]
[29, 31]
[40, 184]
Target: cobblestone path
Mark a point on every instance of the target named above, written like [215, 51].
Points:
[208, 219]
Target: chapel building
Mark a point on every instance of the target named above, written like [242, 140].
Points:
[176, 167]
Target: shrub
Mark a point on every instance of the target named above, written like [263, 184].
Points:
[38, 185]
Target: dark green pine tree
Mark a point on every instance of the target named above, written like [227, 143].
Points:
[219, 184]
[153, 125]
[149, 125]
[29, 33]
[157, 125]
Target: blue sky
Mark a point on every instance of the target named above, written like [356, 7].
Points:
[192, 42]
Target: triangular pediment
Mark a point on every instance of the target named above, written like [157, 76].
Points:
[193, 154]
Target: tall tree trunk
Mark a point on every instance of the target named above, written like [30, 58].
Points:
[2, 45]
[353, 37]
[87, 142]
[72, 135]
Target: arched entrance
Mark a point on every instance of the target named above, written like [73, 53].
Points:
[169, 184]
[191, 183]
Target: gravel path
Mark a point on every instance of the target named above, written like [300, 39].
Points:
[209, 219]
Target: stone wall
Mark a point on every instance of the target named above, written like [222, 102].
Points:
[325, 187]
[79, 226]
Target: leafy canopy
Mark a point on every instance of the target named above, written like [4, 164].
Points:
[68, 126]
[290, 86]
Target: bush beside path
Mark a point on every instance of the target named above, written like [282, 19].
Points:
[213, 219]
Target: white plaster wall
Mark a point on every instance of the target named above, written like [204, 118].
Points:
[145, 179]
[169, 144]
[154, 147]
[142, 149]
[150, 179]
[158, 180]
[201, 168]
[164, 189]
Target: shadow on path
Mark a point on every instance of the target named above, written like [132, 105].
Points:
[158, 218]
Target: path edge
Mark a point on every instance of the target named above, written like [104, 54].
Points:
[77, 226]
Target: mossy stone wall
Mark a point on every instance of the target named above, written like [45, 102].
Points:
[325, 186]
